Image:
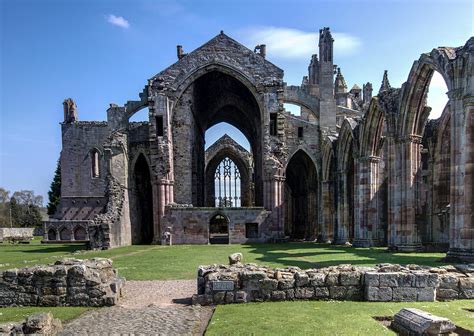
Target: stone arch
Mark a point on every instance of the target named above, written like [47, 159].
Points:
[142, 221]
[301, 196]
[413, 112]
[64, 233]
[80, 233]
[346, 153]
[52, 234]
[371, 131]
[297, 96]
[241, 158]
[218, 94]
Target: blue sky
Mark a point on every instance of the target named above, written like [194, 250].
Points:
[98, 52]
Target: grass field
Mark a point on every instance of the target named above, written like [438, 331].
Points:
[152, 262]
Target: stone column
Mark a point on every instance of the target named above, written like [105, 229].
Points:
[273, 199]
[342, 208]
[367, 224]
[404, 234]
[461, 240]
[327, 225]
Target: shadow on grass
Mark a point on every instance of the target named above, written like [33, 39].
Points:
[56, 249]
[282, 254]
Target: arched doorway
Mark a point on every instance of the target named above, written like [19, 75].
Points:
[212, 98]
[219, 230]
[142, 223]
[301, 197]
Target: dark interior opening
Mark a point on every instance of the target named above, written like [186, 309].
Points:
[219, 230]
[142, 226]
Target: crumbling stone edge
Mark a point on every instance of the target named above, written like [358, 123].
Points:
[239, 283]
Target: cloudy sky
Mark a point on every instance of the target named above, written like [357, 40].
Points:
[103, 51]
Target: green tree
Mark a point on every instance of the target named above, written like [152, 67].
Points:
[4, 208]
[54, 194]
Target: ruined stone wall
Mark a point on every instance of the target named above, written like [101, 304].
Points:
[220, 284]
[190, 225]
[70, 282]
[78, 140]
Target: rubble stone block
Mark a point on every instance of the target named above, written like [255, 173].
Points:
[371, 279]
[411, 321]
[278, 295]
[350, 278]
[301, 279]
[304, 292]
[321, 292]
[318, 279]
[446, 294]
[286, 283]
[405, 294]
[332, 279]
[406, 280]
[448, 281]
[388, 279]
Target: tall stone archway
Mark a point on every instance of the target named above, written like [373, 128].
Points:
[142, 222]
[301, 197]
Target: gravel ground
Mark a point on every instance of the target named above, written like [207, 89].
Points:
[148, 308]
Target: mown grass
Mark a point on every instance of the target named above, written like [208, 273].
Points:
[17, 314]
[153, 262]
[325, 317]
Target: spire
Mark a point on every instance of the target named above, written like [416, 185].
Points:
[385, 83]
[313, 70]
[325, 45]
[367, 92]
[340, 85]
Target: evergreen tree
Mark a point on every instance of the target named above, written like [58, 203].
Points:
[54, 194]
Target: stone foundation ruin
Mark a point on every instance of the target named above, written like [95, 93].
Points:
[69, 282]
[221, 284]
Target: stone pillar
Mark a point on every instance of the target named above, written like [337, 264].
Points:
[367, 223]
[273, 199]
[342, 208]
[404, 234]
[327, 224]
[461, 240]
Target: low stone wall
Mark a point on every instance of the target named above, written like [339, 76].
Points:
[69, 282]
[16, 234]
[220, 284]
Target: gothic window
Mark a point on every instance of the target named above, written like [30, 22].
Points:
[227, 184]
[159, 126]
[95, 169]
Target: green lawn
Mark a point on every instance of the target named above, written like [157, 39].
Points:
[152, 262]
[325, 317]
[149, 262]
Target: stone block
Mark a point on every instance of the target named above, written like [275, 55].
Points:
[371, 279]
[332, 279]
[466, 283]
[321, 292]
[286, 283]
[413, 321]
[318, 279]
[446, 294]
[301, 279]
[240, 296]
[466, 294]
[304, 292]
[229, 297]
[235, 259]
[253, 275]
[382, 294]
[448, 281]
[278, 295]
[406, 280]
[337, 292]
[426, 294]
[405, 294]
[290, 294]
[269, 284]
[350, 278]
[388, 279]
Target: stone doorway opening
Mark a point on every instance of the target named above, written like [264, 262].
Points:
[142, 223]
[219, 230]
[301, 197]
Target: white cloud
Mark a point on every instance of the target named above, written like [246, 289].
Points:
[118, 21]
[292, 43]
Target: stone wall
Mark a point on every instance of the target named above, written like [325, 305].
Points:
[70, 282]
[190, 225]
[16, 233]
[220, 284]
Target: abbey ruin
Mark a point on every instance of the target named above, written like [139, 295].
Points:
[369, 169]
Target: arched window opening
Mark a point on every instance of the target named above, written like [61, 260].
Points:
[227, 184]
[215, 132]
[95, 167]
[80, 233]
[437, 97]
[65, 234]
[51, 234]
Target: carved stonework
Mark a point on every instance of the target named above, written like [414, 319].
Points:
[70, 110]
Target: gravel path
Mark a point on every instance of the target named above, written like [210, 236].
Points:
[148, 308]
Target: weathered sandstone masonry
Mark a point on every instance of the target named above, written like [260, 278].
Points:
[220, 284]
[69, 282]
